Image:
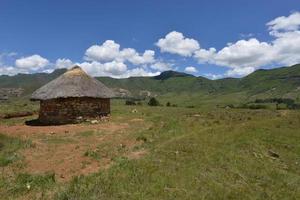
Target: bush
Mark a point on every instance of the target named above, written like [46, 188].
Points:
[168, 104]
[190, 106]
[153, 102]
[130, 103]
[257, 106]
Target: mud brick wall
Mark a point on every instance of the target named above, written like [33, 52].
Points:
[71, 110]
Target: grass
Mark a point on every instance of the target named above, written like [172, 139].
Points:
[93, 154]
[192, 153]
[219, 155]
[9, 147]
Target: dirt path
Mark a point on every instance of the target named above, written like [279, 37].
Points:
[79, 149]
[25, 130]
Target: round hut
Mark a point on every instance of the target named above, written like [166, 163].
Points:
[72, 97]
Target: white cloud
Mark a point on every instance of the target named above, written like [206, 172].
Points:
[239, 71]
[8, 70]
[191, 69]
[132, 56]
[63, 63]
[286, 48]
[244, 56]
[34, 62]
[138, 72]
[289, 23]
[161, 66]
[175, 42]
[214, 76]
[113, 69]
[205, 56]
[243, 53]
[110, 51]
[235, 72]
[241, 57]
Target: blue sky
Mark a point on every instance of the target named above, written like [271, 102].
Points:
[121, 38]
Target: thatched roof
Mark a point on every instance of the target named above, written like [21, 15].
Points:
[74, 83]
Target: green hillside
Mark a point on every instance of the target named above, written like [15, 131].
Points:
[279, 82]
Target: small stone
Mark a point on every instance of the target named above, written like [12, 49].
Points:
[52, 133]
[134, 111]
[273, 154]
[94, 122]
[62, 176]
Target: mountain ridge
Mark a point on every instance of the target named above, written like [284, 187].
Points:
[278, 82]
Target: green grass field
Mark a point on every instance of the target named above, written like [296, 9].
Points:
[192, 153]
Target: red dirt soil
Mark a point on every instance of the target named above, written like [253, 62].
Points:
[61, 149]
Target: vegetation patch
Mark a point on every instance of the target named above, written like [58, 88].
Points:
[9, 147]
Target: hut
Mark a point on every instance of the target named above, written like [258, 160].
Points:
[72, 97]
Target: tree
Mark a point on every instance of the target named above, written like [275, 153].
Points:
[153, 102]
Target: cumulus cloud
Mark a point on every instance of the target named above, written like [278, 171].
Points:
[113, 69]
[214, 76]
[235, 72]
[243, 53]
[63, 63]
[161, 66]
[289, 23]
[110, 51]
[34, 62]
[191, 69]
[244, 56]
[240, 58]
[8, 70]
[286, 48]
[176, 43]
[136, 72]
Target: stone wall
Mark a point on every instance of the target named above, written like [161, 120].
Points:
[72, 110]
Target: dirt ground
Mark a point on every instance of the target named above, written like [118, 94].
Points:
[78, 149]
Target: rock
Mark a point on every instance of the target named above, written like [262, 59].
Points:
[52, 133]
[104, 119]
[273, 154]
[94, 122]
[134, 111]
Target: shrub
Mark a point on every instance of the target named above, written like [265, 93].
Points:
[153, 102]
[130, 103]
[190, 106]
[168, 104]
[256, 106]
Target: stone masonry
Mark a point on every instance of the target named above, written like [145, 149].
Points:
[72, 110]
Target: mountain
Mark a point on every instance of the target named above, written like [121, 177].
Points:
[29, 82]
[170, 74]
[279, 82]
